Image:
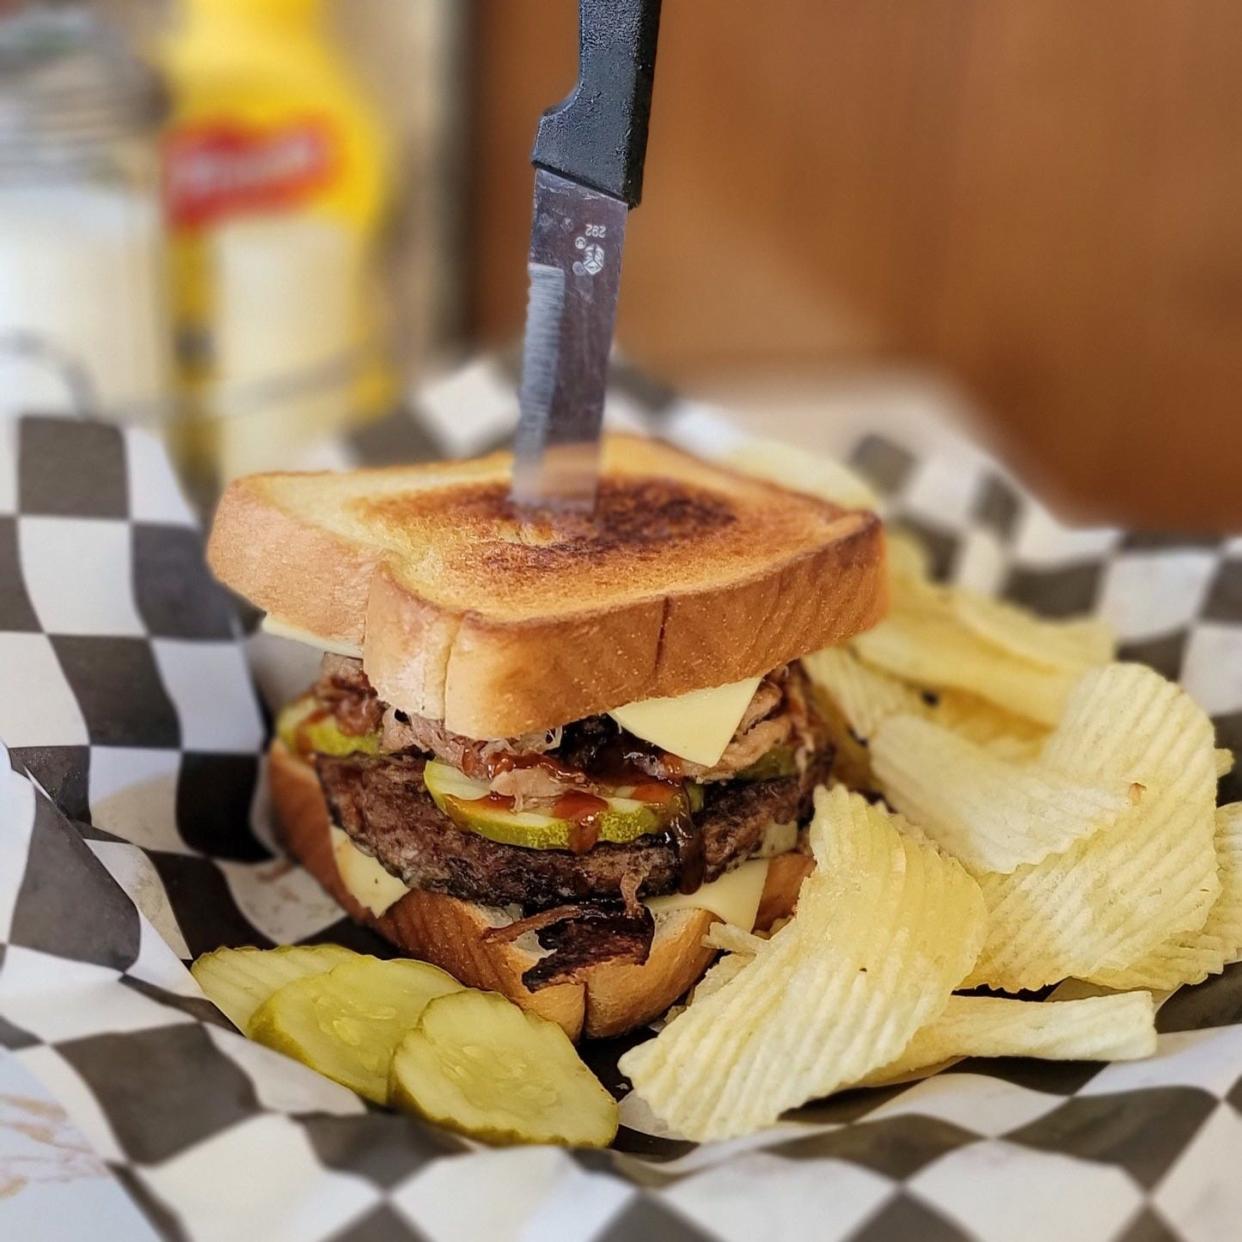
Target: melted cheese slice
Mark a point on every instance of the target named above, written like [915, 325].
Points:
[734, 897]
[337, 646]
[697, 726]
[364, 879]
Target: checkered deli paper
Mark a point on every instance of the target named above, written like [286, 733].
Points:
[134, 834]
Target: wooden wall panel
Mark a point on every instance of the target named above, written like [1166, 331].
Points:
[1042, 197]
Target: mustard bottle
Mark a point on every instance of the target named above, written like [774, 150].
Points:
[275, 179]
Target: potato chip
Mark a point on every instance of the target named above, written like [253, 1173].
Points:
[931, 649]
[992, 814]
[989, 726]
[864, 695]
[733, 939]
[800, 471]
[851, 761]
[886, 928]
[907, 558]
[1069, 645]
[1192, 958]
[1111, 898]
[1080, 989]
[1224, 762]
[1104, 1028]
[721, 972]
[910, 582]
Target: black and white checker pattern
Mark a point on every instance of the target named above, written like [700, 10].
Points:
[133, 834]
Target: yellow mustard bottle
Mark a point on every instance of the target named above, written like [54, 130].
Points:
[276, 181]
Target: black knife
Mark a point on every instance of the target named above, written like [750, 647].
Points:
[588, 159]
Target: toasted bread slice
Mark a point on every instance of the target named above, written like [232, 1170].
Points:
[449, 932]
[688, 575]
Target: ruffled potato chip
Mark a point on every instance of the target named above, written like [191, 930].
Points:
[992, 814]
[1069, 645]
[929, 648]
[909, 572]
[1103, 1028]
[1192, 958]
[733, 939]
[725, 969]
[886, 927]
[985, 724]
[954, 638]
[864, 696]
[1110, 899]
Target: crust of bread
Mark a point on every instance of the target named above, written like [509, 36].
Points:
[305, 575]
[691, 576]
[449, 932]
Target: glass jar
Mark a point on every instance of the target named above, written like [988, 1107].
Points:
[82, 307]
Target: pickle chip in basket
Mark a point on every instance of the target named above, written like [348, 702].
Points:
[346, 1023]
[238, 981]
[481, 1066]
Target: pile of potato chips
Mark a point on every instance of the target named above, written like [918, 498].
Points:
[1013, 809]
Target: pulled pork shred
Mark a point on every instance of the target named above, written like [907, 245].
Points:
[344, 689]
[400, 732]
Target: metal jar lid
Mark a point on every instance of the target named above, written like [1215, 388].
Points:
[68, 86]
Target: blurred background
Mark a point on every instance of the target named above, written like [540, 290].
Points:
[1021, 214]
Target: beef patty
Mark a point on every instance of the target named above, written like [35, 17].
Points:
[382, 803]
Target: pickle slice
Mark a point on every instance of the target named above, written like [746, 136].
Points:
[481, 1066]
[777, 762]
[466, 802]
[323, 736]
[346, 1023]
[238, 981]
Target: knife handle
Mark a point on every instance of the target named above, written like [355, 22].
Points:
[597, 135]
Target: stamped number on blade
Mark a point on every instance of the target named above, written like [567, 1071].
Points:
[593, 255]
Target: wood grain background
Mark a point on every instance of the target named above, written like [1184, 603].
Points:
[1042, 198]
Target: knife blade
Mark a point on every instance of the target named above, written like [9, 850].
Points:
[589, 156]
[575, 276]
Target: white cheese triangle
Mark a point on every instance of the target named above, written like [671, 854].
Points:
[364, 879]
[696, 726]
[734, 897]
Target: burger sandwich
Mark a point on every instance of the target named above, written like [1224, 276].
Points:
[547, 753]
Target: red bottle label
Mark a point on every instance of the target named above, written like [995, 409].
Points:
[221, 168]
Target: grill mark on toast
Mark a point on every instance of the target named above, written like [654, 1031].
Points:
[634, 516]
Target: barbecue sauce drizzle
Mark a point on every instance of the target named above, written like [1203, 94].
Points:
[583, 811]
[687, 841]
